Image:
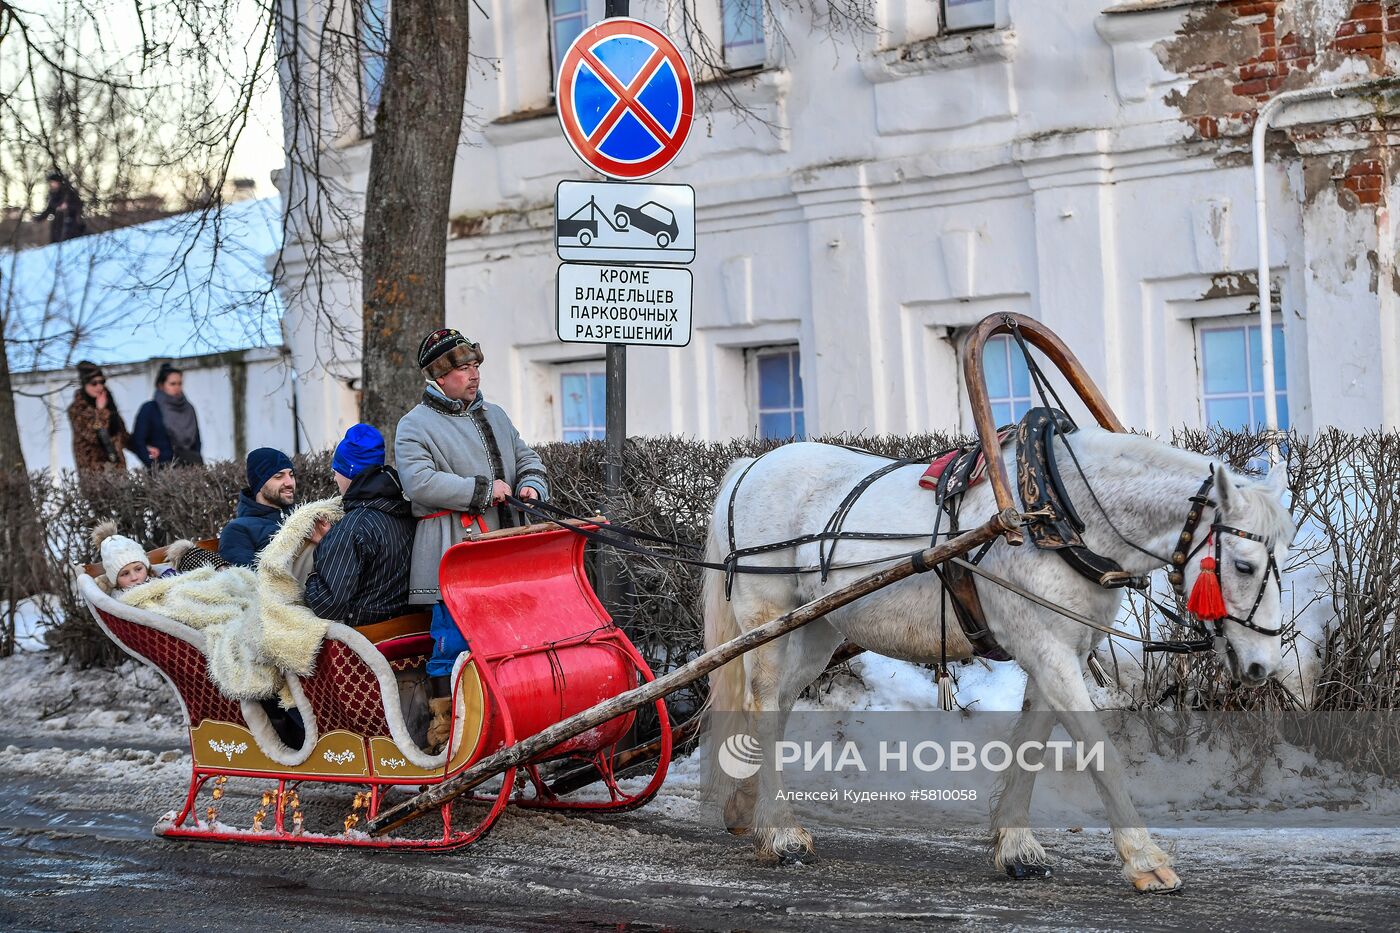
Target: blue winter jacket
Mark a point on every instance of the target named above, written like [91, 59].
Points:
[149, 431]
[249, 532]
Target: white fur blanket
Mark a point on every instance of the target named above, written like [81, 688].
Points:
[255, 624]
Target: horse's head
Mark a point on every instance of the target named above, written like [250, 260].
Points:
[1249, 540]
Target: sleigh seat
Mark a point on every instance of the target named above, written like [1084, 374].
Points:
[350, 707]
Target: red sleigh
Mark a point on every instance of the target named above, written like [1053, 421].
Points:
[542, 649]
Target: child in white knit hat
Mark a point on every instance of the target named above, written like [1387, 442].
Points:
[125, 564]
[124, 561]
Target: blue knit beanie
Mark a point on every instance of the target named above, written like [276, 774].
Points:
[362, 448]
[263, 464]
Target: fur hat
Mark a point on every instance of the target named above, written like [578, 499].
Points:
[88, 371]
[116, 550]
[444, 350]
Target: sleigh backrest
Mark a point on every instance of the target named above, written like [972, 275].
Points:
[345, 692]
[173, 649]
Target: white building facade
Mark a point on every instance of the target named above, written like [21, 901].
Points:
[864, 196]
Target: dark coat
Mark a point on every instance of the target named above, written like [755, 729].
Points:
[362, 564]
[149, 431]
[65, 208]
[249, 532]
[91, 449]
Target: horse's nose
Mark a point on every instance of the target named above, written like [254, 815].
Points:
[1257, 672]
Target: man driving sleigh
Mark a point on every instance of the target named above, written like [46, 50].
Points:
[458, 456]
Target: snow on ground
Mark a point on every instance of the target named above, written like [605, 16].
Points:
[133, 713]
[889, 684]
[31, 618]
[42, 695]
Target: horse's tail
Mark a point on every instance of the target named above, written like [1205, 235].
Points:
[728, 683]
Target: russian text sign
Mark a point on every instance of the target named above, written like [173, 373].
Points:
[637, 305]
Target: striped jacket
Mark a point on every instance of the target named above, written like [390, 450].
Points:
[361, 566]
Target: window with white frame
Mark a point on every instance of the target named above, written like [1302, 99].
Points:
[776, 376]
[743, 33]
[372, 27]
[1008, 380]
[567, 18]
[959, 15]
[582, 401]
[1230, 357]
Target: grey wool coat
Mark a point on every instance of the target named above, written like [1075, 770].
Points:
[448, 455]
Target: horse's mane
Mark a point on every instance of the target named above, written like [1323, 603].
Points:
[1260, 508]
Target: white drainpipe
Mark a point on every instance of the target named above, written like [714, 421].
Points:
[1275, 105]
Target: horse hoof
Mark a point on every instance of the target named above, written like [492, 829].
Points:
[1024, 871]
[737, 830]
[797, 857]
[1158, 881]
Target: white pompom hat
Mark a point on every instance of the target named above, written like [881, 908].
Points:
[117, 550]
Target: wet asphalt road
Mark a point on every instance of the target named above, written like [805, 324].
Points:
[76, 853]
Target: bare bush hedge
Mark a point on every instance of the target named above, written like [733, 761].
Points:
[1346, 490]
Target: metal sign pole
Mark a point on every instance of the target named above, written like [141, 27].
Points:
[610, 579]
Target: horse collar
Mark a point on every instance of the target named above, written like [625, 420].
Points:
[1055, 525]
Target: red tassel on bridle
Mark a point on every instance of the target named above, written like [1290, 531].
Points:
[1207, 602]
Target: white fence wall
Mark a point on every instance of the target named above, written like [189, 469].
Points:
[211, 382]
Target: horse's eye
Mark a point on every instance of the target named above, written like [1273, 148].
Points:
[1245, 567]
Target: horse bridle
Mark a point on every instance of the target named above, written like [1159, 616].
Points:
[1181, 556]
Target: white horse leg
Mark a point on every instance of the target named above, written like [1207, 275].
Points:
[731, 687]
[1014, 848]
[779, 678]
[1061, 681]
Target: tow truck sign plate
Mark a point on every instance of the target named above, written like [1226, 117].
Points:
[637, 305]
[614, 222]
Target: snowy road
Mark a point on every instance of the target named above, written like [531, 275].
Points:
[89, 760]
[75, 848]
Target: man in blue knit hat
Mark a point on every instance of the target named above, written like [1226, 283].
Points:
[362, 561]
[272, 485]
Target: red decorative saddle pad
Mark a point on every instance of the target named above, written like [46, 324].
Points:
[942, 462]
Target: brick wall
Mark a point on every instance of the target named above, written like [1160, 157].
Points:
[1240, 53]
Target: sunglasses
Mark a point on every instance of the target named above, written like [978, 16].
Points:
[97, 382]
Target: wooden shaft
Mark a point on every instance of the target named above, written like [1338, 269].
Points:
[570, 781]
[433, 798]
[1045, 340]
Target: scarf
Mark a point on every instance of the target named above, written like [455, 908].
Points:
[434, 398]
[181, 422]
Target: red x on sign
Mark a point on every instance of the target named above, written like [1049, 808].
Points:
[626, 98]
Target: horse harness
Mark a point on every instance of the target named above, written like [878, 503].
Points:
[1181, 556]
[1054, 524]
[1051, 522]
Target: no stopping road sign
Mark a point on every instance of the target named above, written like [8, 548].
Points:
[626, 98]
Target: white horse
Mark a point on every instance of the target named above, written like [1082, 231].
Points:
[1146, 485]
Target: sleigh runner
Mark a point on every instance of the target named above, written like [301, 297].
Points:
[542, 648]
